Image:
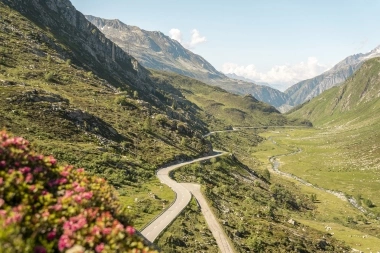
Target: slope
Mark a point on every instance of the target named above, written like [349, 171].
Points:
[59, 82]
[221, 109]
[344, 150]
[354, 102]
[307, 89]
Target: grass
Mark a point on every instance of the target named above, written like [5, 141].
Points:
[221, 109]
[147, 201]
[327, 160]
[254, 211]
[320, 153]
[188, 233]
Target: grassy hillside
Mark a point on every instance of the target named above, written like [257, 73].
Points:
[53, 97]
[222, 109]
[255, 213]
[355, 101]
[348, 139]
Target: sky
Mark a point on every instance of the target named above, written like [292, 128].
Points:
[277, 42]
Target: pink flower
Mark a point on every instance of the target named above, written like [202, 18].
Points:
[38, 170]
[87, 195]
[25, 170]
[79, 189]
[52, 160]
[45, 214]
[1, 180]
[81, 170]
[78, 199]
[57, 207]
[95, 230]
[39, 249]
[130, 230]
[99, 248]
[64, 242]
[65, 173]
[29, 178]
[107, 231]
[3, 163]
[51, 236]
[62, 181]
[1, 202]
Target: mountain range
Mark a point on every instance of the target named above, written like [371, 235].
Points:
[158, 51]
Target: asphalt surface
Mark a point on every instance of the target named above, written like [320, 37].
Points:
[154, 229]
[212, 222]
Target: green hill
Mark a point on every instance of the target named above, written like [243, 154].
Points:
[221, 109]
[356, 102]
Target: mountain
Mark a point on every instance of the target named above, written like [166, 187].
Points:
[76, 94]
[307, 89]
[356, 101]
[157, 51]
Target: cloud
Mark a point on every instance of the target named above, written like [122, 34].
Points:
[196, 38]
[176, 34]
[281, 75]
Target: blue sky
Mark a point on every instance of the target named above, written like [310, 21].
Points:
[280, 42]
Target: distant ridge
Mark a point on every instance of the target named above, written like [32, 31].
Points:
[157, 51]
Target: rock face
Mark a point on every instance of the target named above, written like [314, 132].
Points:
[307, 89]
[157, 51]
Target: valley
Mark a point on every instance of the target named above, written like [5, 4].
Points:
[194, 160]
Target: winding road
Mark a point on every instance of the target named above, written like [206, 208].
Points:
[183, 197]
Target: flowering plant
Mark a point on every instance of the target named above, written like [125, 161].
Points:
[49, 208]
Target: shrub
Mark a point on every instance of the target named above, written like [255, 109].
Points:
[368, 203]
[162, 119]
[49, 208]
[49, 76]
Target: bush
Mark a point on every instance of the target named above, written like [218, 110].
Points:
[49, 208]
[162, 119]
[368, 203]
[49, 76]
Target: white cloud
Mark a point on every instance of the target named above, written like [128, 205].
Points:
[284, 75]
[196, 38]
[176, 34]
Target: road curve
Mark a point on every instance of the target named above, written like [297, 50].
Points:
[212, 222]
[154, 229]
